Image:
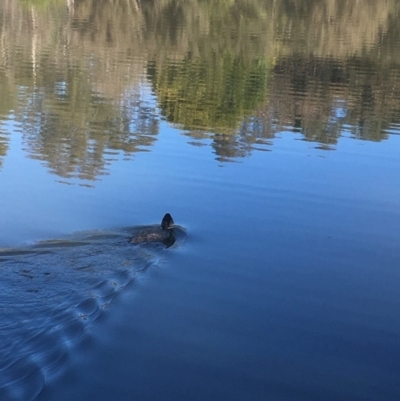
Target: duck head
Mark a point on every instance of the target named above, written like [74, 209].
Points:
[167, 222]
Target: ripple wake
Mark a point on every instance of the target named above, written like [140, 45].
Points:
[51, 295]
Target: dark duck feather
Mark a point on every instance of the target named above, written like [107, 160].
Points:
[164, 233]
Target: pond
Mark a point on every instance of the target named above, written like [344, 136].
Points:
[269, 130]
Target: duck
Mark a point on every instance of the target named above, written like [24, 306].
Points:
[163, 234]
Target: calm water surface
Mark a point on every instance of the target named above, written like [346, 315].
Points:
[269, 130]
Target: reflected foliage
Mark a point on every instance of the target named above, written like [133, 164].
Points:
[333, 98]
[3, 147]
[210, 94]
[40, 3]
[85, 80]
[7, 103]
[78, 132]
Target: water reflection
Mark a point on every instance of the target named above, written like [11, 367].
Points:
[88, 82]
[3, 147]
[80, 136]
[327, 99]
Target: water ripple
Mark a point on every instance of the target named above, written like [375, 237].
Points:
[51, 294]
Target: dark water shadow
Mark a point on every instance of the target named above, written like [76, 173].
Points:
[54, 292]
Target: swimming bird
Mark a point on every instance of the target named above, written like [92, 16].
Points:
[163, 233]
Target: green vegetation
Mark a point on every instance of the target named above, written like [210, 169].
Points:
[41, 5]
[211, 95]
[233, 71]
[3, 148]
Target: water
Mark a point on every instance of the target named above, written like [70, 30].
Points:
[269, 131]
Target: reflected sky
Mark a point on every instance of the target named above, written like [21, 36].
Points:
[175, 173]
[312, 234]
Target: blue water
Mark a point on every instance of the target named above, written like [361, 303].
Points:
[286, 288]
[269, 130]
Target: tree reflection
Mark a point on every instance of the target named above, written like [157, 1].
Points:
[76, 75]
[78, 133]
[330, 97]
[210, 94]
[3, 148]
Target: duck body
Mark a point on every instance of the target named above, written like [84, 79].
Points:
[163, 233]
